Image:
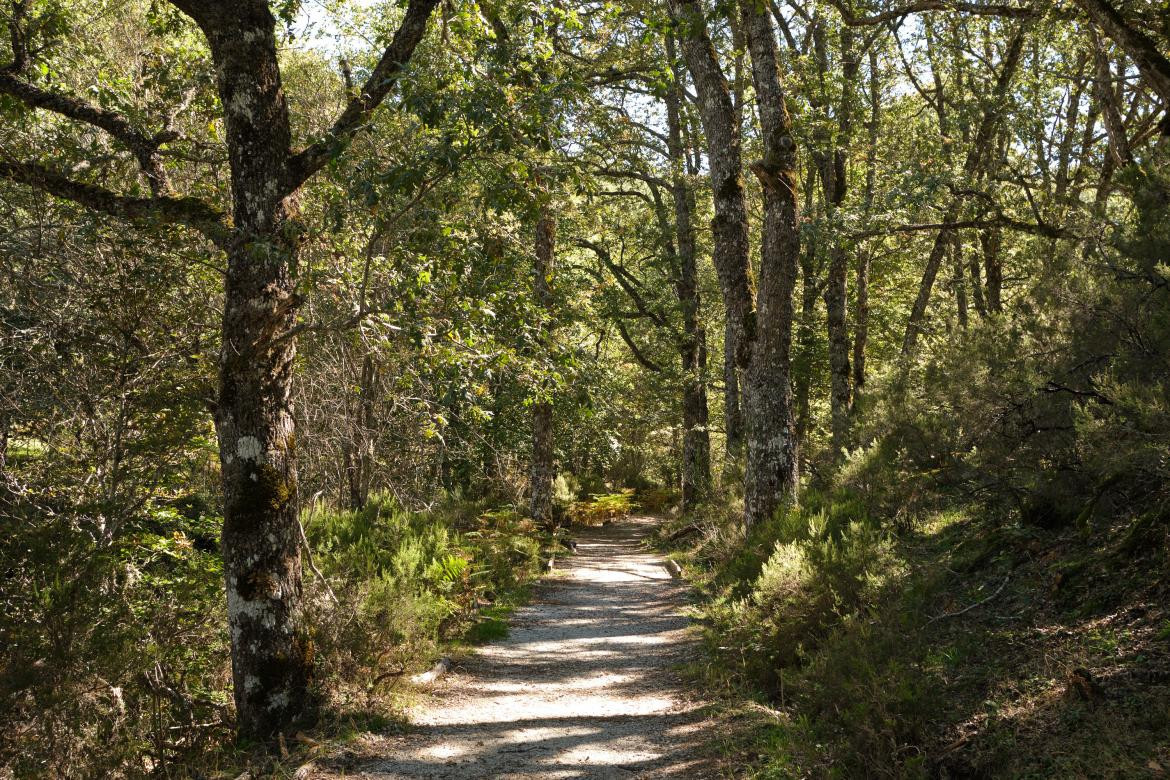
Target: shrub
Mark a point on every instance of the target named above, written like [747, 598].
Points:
[599, 508]
[116, 658]
[397, 584]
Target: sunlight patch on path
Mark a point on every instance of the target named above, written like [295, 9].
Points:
[584, 686]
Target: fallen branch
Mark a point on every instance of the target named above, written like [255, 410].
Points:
[381, 678]
[437, 671]
[980, 603]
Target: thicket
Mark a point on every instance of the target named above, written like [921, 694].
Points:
[117, 658]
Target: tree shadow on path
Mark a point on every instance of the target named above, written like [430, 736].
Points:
[584, 686]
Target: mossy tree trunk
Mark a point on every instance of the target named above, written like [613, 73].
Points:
[729, 227]
[696, 446]
[772, 445]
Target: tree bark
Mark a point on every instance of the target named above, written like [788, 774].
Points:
[271, 659]
[810, 289]
[836, 183]
[357, 452]
[696, 449]
[729, 226]
[861, 329]
[991, 241]
[975, 268]
[959, 280]
[772, 448]
[1106, 97]
[733, 424]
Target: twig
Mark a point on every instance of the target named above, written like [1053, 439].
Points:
[313, 567]
[980, 603]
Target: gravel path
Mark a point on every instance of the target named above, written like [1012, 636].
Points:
[583, 686]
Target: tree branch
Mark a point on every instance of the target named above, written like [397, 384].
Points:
[644, 361]
[623, 280]
[1036, 229]
[17, 36]
[382, 79]
[636, 175]
[143, 147]
[187, 211]
[1153, 65]
[894, 14]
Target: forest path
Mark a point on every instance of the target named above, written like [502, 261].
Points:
[584, 686]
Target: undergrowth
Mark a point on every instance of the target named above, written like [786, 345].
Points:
[844, 648]
[116, 657]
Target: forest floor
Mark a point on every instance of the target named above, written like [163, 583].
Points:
[585, 685]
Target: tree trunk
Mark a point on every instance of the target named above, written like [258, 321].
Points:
[836, 300]
[772, 449]
[1106, 97]
[991, 240]
[959, 280]
[975, 268]
[1069, 131]
[271, 658]
[933, 263]
[261, 536]
[541, 479]
[358, 449]
[732, 407]
[861, 329]
[696, 449]
[810, 288]
[835, 182]
[3, 444]
[729, 226]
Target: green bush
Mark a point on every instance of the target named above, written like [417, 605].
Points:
[397, 584]
[607, 506]
[821, 570]
[116, 658]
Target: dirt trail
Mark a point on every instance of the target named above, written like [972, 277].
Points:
[582, 687]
